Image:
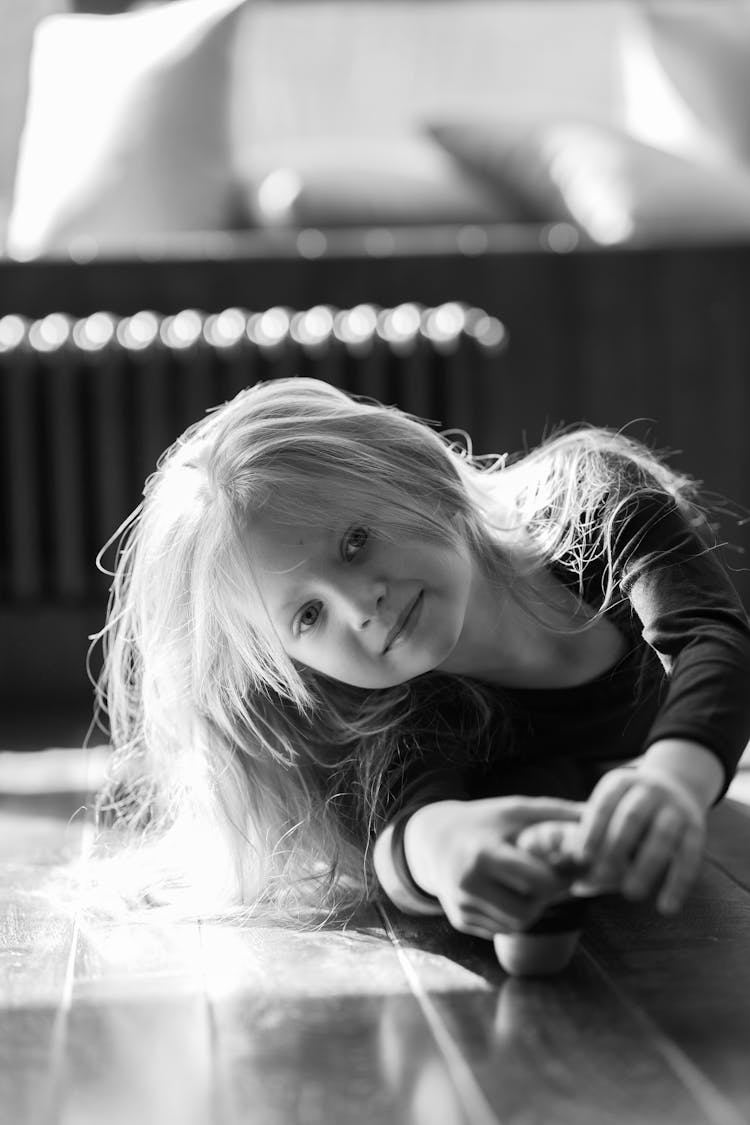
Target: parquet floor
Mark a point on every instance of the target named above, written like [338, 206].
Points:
[390, 1021]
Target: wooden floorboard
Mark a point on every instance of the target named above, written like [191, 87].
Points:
[37, 947]
[138, 1060]
[691, 975]
[729, 841]
[139, 1037]
[310, 1027]
[569, 1050]
[139, 1020]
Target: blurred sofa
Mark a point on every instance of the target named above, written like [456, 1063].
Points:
[626, 121]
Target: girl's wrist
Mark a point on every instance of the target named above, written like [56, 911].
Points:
[424, 833]
[393, 870]
[692, 766]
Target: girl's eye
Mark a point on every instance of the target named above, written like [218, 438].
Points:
[354, 541]
[308, 617]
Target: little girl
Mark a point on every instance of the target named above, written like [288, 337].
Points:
[343, 657]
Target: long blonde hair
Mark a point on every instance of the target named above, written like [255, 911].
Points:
[255, 784]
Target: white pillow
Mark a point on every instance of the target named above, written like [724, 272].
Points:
[398, 181]
[612, 186]
[126, 132]
[685, 73]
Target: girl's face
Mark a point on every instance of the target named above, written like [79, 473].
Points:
[359, 608]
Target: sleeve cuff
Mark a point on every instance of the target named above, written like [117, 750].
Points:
[394, 875]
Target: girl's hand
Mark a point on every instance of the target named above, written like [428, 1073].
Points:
[643, 833]
[556, 842]
[465, 853]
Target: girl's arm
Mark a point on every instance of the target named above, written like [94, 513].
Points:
[692, 766]
[644, 827]
[691, 615]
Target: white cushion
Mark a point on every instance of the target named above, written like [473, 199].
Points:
[161, 119]
[399, 181]
[125, 131]
[685, 73]
[611, 185]
[378, 69]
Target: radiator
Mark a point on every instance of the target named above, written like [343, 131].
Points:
[88, 405]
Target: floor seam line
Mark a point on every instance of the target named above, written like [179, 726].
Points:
[727, 872]
[719, 1109]
[59, 1029]
[473, 1098]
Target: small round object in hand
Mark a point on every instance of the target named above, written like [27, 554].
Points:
[547, 947]
[554, 841]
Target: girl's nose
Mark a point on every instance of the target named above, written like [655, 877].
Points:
[365, 601]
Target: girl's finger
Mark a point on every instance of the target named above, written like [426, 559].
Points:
[523, 872]
[598, 812]
[503, 906]
[487, 919]
[555, 842]
[655, 853]
[500, 901]
[475, 929]
[629, 824]
[530, 810]
[682, 872]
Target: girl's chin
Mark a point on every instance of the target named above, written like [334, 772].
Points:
[393, 678]
[413, 671]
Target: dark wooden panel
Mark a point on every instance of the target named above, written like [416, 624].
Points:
[38, 937]
[43, 673]
[568, 1049]
[322, 1059]
[729, 840]
[258, 1023]
[173, 1022]
[322, 1027]
[37, 941]
[393, 1019]
[691, 975]
[144, 1060]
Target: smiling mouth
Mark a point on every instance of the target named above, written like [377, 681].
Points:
[406, 621]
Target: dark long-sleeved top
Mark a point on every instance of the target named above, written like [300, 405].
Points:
[685, 675]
